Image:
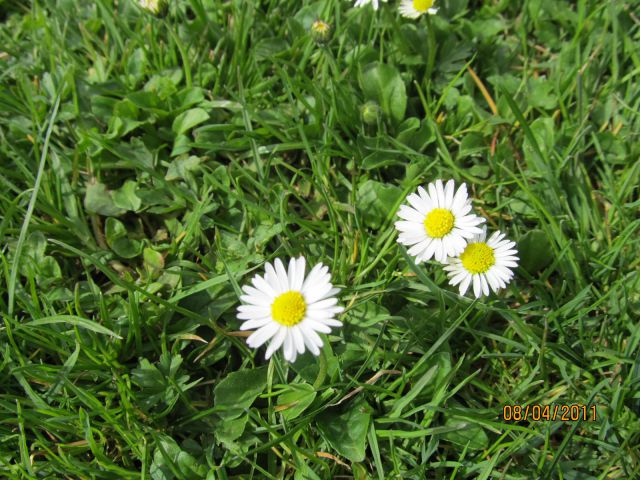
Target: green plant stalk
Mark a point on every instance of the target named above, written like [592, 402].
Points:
[322, 370]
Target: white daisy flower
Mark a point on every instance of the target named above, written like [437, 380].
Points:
[415, 8]
[289, 309]
[153, 6]
[486, 264]
[437, 223]
[362, 3]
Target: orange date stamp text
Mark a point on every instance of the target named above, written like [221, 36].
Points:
[536, 412]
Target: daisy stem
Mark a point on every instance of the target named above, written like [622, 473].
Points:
[322, 371]
[431, 53]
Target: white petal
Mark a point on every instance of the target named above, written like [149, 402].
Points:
[410, 214]
[457, 278]
[448, 194]
[311, 277]
[440, 190]
[272, 279]
[311, 345]
[314, 294]
[283, 279]
[291, 273]
[485, 286]
[331, 293]
[252, 314]
[311, 334]
[263, 285]
[409, 227]
[460, 198]
[417, 203]
[429, 251]
[324, 313]
[260, 301]
[441, 251]
[276, 342]
[298, 339]
[419, 247]
[464, 286]
[254, 292]
[425, 197]
[332, 322]
[477, 286]
[302, 264]
[434, 195]
[494, 282]
[257, 338]
[407, 240]
[259, 309]
[322, 304]
[317, 326]
[288, 346]
[255, 323]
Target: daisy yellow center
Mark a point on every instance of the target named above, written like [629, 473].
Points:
[478, 257]
[438, 222]
[422, 5]
[289, 308]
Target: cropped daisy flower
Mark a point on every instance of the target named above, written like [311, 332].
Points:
[415, 8]
[155, 7]
[289, 309]
[485, 264]
[362, 3]
[438, 223]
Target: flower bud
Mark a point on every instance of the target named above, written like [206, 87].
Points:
[320, 31]
[370, 112]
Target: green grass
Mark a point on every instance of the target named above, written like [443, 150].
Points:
[150, 166]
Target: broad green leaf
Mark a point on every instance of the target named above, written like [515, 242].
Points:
[383, 84]
[116, 236]
[375, 200]
[296, 400]
[379, 160]
[265, 232]
[189, 96]
[347, 432]
[168, 458]
[99, 200]
[181, 145]
[238, 391]
[534, 250]
[125, 197]
[467, 434]
[136, 65]
[226, 431]
[161, 382]
[153, 261]
[367, 314]
[415, 134]
[189, 119]
[33, 253]
[181, 166]
[541, 94]
[49, 269]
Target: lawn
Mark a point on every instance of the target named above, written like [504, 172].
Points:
[152, 164]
